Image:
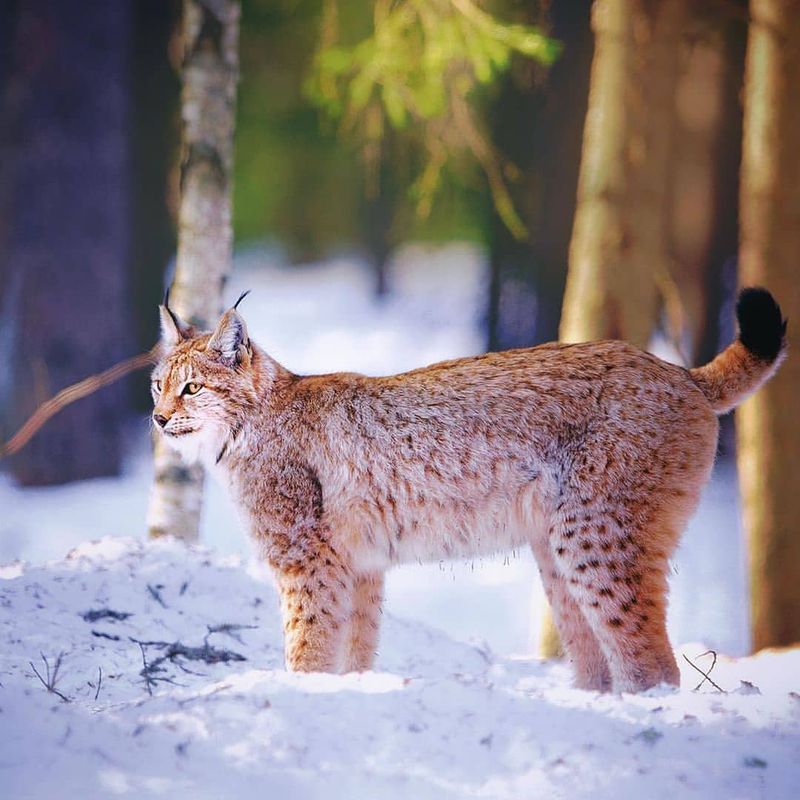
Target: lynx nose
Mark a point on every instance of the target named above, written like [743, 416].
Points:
[160, 419]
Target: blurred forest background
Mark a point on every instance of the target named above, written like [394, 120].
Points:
[623, 165]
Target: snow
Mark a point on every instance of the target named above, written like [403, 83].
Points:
[437, 719]
[457, 706]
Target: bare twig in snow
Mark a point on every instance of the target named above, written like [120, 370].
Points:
[105, 613]
[183, 668]
[102, 635]
[207, 654]
[156, 594]
[229, 628]
[99, 682]
[705, 674]
[177, 650]
[49, 682]
[145, 673]
[149, 643]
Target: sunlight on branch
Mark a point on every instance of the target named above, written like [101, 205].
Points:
[419, 74]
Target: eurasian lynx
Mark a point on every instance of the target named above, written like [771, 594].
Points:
[593, 454]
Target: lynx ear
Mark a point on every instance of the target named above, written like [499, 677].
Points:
[229, 337]
[173, 329]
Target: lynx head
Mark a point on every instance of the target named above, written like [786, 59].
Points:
[203, 384]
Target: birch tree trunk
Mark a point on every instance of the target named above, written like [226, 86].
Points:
[768, 433]
[618, 257]
[205, 235]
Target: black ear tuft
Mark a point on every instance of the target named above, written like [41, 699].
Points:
[241, 297]
[762, 328]
[179, 325]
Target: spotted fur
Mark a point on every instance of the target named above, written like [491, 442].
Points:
[592, 454]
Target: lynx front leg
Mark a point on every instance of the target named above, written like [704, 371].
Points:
[364, 621]
[316, 603]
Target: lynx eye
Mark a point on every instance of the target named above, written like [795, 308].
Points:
[158, 386]
[192, 388]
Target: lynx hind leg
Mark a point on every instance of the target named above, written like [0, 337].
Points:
[615, 567]
[364, 627]
[577, 637]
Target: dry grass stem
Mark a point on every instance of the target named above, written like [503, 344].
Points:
[51, 677]
[705, 675]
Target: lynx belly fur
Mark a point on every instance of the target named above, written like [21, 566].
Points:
[593, 454]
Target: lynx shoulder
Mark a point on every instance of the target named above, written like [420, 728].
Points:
[594, 455]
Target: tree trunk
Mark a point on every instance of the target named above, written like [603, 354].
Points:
[377, 219]
[537, 121]
[703, 231]
[767, 430]
[704, 204]
[64, 298]
[9, 12]
[205, 235]
[155, 134]
[618, 258]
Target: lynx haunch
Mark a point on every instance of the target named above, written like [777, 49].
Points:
[593, 454]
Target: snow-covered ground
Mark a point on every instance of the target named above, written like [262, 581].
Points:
[438, 719]
[457, 708]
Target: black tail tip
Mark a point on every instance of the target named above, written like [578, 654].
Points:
[762, 328]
